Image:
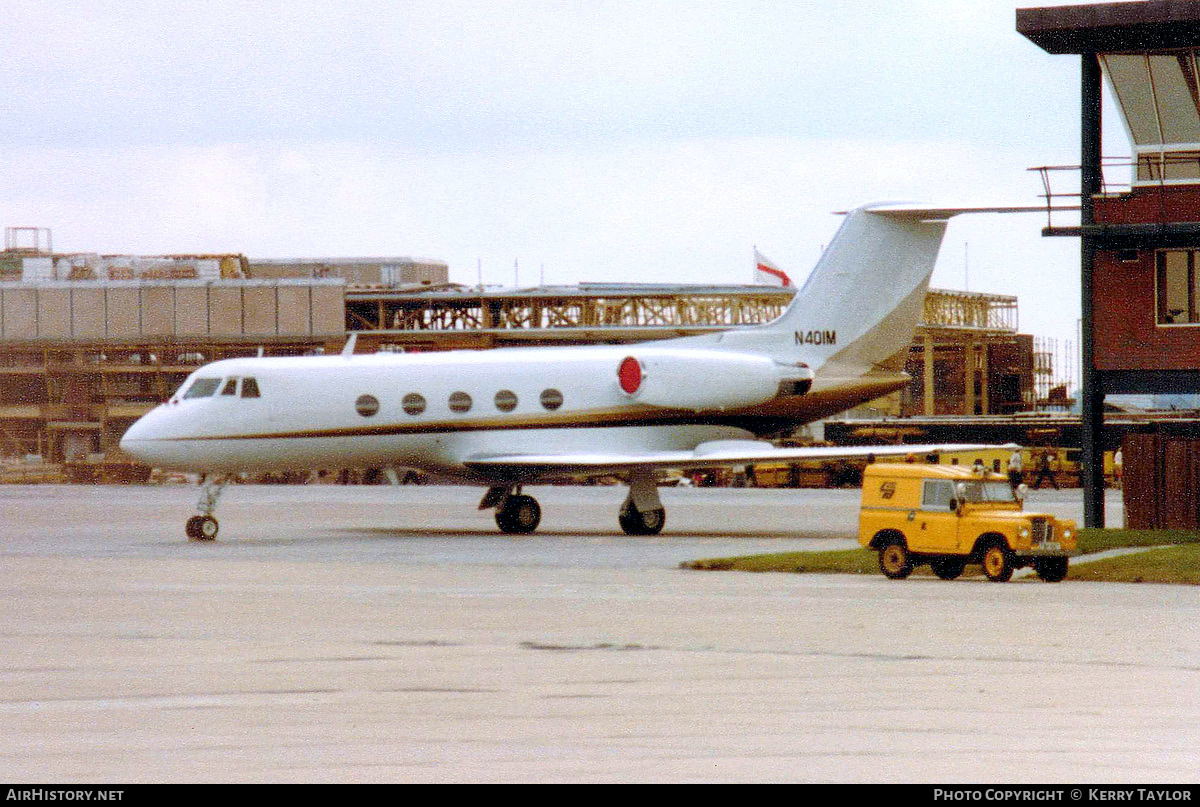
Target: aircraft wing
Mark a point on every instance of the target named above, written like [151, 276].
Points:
[717, 454]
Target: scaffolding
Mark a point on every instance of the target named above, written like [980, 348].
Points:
[560, 315]
[967, 310]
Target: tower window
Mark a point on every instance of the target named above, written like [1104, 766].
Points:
[1175, 287]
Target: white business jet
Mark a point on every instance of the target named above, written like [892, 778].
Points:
[509, 417]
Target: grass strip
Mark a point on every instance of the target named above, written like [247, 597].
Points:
[1092, 539]
[1179, 565]
[1175, 558]
[845, 561]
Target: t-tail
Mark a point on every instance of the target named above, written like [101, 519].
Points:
[863, 300]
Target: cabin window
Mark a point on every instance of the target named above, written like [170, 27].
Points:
[230, 387]
[202, 388]
[506, 400]
[250, 388]
[366, 405]
[1175, 287]
[460, 402]
[413, 403]
[551, 399]
[936, 494]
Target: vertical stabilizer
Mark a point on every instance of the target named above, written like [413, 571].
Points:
[865, 296]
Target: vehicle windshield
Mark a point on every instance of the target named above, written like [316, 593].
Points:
[978, 491]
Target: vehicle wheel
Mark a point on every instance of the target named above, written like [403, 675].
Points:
[520, 515]
[1052, 570]
[947, 568]
[635, 522]
[998, 563]
[894, 560]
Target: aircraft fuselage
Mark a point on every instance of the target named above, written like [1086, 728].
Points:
[435, 410]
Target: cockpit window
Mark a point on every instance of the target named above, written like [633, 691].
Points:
[230, 387]
[202, 388]
[250, 388]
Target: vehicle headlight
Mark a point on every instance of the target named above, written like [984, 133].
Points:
[1066, 533]
[1024, 532]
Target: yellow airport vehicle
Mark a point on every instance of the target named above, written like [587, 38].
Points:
[949, 516]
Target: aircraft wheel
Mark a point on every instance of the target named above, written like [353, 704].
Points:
[520, 515]
[998, 563]
[947, 568]
[635, 522]
[1052, 570]
[894, 560]
[202, 528]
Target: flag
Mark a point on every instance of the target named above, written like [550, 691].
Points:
[768, 273]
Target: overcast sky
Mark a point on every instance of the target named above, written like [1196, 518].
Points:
[583, 140]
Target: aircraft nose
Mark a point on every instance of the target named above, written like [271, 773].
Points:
[137, 437]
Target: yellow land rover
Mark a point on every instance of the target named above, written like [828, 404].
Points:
[949, 516]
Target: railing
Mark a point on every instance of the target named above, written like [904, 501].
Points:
[1155, 170]
[1053, 198]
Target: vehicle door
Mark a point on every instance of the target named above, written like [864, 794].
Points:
[937, 520]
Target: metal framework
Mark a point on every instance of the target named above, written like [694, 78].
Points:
[409, 314]
[995, 313]
[559, 314]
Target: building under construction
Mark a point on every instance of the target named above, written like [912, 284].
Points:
[88, 343]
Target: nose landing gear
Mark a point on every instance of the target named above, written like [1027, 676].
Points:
[204, 527]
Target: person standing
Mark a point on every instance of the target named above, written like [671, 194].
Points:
[1016, 469]
[1046, 469]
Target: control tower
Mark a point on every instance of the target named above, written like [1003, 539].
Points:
[1139, 236]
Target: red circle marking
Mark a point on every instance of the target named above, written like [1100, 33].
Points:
[629, 374]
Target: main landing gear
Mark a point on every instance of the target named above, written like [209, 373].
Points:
[204, 527]
[641, 513]
[516, 513]
[641, 522]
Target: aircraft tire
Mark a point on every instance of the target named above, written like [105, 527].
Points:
[202, 528]
[635, 522]
[520, 515]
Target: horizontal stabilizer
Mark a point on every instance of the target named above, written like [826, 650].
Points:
[923, 212]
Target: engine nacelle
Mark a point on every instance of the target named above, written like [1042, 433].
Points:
[705, 380]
